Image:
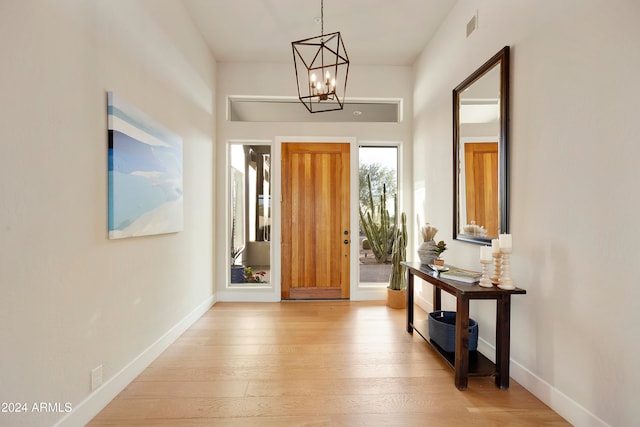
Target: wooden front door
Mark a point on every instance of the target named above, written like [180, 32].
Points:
[315, 220]
[481, 171]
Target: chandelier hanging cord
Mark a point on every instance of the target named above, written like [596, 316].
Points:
[322, 31]
[322, 17]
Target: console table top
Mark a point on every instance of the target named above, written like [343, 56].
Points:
[456, 287]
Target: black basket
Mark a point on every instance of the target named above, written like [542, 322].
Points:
[442, 330]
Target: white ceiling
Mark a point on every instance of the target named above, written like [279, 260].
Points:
[375, 32]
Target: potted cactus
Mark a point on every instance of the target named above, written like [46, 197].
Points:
[396, 291]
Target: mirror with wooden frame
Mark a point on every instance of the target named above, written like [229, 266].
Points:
[480, 143]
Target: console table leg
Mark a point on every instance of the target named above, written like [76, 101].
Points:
[409, 301]
[462, 343]
[503, 343]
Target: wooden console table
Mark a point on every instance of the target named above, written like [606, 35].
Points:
[463, 361]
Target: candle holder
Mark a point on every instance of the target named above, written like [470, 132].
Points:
[484, 280]
[497, 260]
[505, 281]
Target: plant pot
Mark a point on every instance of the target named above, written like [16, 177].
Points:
[427, 252]
[237, 274]
[438, 262]
[397, 299]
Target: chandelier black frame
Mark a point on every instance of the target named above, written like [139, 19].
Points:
[325, 55]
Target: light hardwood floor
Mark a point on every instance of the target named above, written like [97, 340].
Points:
[325, 363]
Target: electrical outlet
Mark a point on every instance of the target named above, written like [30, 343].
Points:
[96, 377]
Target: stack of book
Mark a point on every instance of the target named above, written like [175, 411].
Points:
[461, 275]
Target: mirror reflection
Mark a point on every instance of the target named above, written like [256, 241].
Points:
[250, 204]
[480, 141]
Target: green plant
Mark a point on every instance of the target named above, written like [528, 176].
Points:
[398, 280]
[440, 247]
[377, 225]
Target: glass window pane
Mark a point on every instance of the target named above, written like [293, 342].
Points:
[378, 206]
[250, 168]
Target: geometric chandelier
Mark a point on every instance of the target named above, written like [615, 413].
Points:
[322, 67]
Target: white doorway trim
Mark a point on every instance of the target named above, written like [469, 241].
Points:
[272, 293]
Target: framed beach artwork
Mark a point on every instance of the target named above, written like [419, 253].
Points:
[145, 173]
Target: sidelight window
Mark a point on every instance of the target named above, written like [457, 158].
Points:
[250, 212]
[378, 196]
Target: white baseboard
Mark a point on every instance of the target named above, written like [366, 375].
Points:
[86, 410]
[271, 295]
[368, 293]
[568, 408]
[248, 295]
[422, 303]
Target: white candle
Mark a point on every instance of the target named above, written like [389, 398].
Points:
[495, 246]
[505, 241]
[485, 253]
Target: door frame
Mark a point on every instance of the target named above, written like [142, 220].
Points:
[272, 291]
[353, 207]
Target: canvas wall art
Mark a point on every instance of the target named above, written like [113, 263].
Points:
[145, 173]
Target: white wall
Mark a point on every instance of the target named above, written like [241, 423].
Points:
[70, 299]
[574, 199]
[278, 80]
